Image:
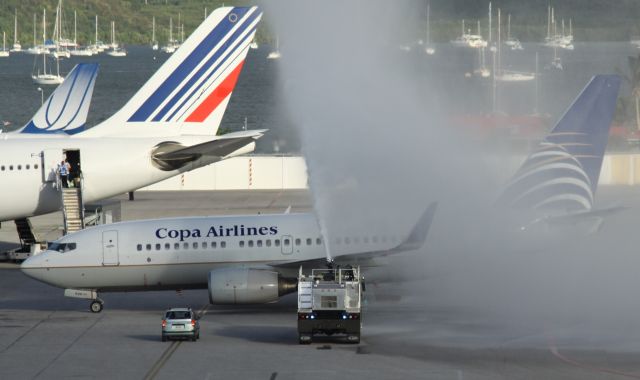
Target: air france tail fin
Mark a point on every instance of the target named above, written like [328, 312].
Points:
[66, 109]
[563, 172]
[189, 93]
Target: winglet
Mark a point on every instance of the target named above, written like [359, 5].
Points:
[420, 231]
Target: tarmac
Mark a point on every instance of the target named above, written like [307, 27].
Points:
[405, 336]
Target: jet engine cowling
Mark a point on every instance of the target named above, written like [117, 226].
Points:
[232, 286]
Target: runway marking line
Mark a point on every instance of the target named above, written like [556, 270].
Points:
[556, 352]
[27, 332]
[68, 346]
[166, 355]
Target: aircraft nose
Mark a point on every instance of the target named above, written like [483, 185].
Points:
[33, 266]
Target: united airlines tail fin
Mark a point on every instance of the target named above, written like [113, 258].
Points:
[66, 109]
[563, 172]
[189, 94]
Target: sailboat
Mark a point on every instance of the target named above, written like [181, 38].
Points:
[275, 54]
[513, 43]
[154, 42]
[508, 75]
[482, 70]
[77, 51]
[16, 44]
[61, 44]
[171, 44]
[115, 50]
[99, 46]
[4, 52]
[45, 78]
[35, 49]
[469, 40]
[429, 49]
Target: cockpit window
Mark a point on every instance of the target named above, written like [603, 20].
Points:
[61, 247]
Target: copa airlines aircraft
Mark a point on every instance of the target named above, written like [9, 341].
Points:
[240, 259]
[167, 128]
[560, 178]
[66, 109]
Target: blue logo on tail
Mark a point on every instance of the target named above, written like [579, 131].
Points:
[563, 172]
[66, 110]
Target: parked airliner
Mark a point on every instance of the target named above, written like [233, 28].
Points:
[559, 179]
[168, 127]
[240, 259]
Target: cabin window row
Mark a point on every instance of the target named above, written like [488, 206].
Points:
[365, 240]
[183, 246]
[18, 167]
[277, 242]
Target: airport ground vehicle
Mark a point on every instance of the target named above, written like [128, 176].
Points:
[180, 323]
[329, 302]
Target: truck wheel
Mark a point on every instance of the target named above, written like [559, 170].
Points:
[304, 339]
[355, 339]
[164, 338]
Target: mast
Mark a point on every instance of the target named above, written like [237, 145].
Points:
[509, 27]
[463, 31]
[113, 34]
[34, 29]
[548, 22]
[499, 47]
[15, 27]
[490, 23]
[570, 28]
[170, 30]
[44, 39]
[75, 29]
[428, 23]
[96, 31]
[153, 30]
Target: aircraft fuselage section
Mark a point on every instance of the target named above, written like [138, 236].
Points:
[110, 166]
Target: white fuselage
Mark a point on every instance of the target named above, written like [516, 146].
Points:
[110, 166]
[175, 253]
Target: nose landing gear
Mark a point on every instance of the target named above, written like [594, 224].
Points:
[96, 305]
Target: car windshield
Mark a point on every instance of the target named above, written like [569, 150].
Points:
[61, 247]
[178, 314]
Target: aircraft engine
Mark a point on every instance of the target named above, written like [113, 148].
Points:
[247, 286]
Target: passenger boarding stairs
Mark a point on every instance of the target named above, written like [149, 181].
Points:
[72, 208]
[23, 226]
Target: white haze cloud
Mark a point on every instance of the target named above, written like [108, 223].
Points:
[379, 150]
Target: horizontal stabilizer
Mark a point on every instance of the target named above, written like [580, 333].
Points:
[171, 156]
[66, 109]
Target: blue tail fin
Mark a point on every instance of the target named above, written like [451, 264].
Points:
[563, 172]
[66, 110]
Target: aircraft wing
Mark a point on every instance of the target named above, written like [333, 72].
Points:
[220, 147]
[414, 241]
